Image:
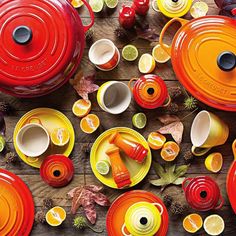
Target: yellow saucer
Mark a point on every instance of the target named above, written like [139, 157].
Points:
[50, 119]
[137, 171]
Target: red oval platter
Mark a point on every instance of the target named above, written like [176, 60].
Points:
[16, 205]
[116, 213]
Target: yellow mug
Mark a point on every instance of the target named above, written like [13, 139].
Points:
[207, 131]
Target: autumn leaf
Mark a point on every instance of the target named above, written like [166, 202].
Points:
[168, 119]
[148, 34]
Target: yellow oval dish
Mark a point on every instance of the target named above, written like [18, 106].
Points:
[50, 119]
[137, 171]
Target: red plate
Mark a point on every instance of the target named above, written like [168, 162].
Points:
[16, 205]
[116, 213]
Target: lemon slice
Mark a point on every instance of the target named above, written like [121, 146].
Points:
[199, 9]
[111, 3]
[146, 63]
[139, 120]
[96, 5]
[130, 53]
[214, 225]
[77, 3]
[214, 162]
[2, 143]
[159, 54]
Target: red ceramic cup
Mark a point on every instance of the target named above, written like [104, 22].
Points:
[104, 54]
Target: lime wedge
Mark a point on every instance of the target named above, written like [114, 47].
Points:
[139, 120]
[96, 5]
[111, 3]
[130, 53]
[2, 143]
[103, 167]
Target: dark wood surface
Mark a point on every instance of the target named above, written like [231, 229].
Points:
[63, 100]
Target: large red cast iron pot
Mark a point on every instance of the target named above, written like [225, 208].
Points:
[41, 45]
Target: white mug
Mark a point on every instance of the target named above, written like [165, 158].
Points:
[114, 97]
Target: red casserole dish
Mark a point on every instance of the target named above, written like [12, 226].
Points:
[41, 45]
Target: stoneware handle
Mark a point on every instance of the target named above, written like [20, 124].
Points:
[160, 206]
[198, 151]
[130, 83]
[234, 149]
[221, 203]
[29, 121]
[123, 231]
[87, 27]
[185, 183]
[167, 48]
[167, 101]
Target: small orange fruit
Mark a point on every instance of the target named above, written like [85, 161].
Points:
[56, 216]
[81, 108]
[89, 123]
[60, 136]
[214, 162]
[192, 223]
[156, 140]
[77, 3]
[170, 151]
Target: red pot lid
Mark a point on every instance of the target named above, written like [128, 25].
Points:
[202, 193]
[57, 170]
[150, 91]
[37, 40]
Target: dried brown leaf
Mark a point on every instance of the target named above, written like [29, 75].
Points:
[168, 119]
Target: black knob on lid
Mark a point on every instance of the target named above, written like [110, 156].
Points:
[150, 91]
[226, 61]
[143, 221]
[175, 1]
[22, 35]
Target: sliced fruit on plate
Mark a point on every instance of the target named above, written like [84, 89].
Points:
[156, 140]
[214, 162]
[214, 225]
[139, 120]
[96, 5]
[199, 9]
[2, 143]
[170, 151]
[89, 123]
[103, 167]
[56, 216]
[81, 108]
[130, 53]
[111, 3]
[159, 54]
[192, 223]
[146, 63]
[60, 136]
[77, 3]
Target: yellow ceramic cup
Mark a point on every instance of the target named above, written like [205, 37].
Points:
[114, 97]
[207, 131]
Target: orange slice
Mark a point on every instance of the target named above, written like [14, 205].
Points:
[170, 151]
[89, 123]
[192, 223]
[214, 162]
[156, 140]
[77, 3]
[60, 136]
[81, 108]
[56, 216]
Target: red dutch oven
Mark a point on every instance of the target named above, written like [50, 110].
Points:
[202, 193]
[41, 45]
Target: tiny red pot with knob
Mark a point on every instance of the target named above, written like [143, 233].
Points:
[202, 193]
[41, 45]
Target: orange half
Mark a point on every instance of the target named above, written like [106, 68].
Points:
[156, 140]
[170, 151]
[81, 108]
[89, 123]
[192, 223]
[56, 216]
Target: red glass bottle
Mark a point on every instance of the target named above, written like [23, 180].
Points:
[134, 150]
[127, 17]
[141, 7]
[120, 173]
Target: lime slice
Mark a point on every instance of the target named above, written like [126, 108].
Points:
[130, 53]
[2, 143]
[103, 167]
[96, 5]
[139, 120]
[111, 3]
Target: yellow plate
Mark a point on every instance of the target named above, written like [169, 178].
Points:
[137, 171]
[50, 119]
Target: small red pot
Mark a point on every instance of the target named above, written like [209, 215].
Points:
[41, 45]
[141, 7]
[202, 193]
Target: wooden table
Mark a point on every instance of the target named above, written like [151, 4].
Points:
[63, 100]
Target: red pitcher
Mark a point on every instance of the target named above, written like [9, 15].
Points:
[202, 193]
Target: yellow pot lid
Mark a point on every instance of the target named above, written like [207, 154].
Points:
[174, 8]
[142, 218]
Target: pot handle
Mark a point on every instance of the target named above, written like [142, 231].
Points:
[185, 182]
[160, 206]
[123, 231]
[221, 203]
[166, 47]
[130, 83]
[234, 149]
[29, 121]
[167, 101]
[87, 27]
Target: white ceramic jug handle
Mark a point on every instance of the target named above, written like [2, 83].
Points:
[123, 231]
[160, 206]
